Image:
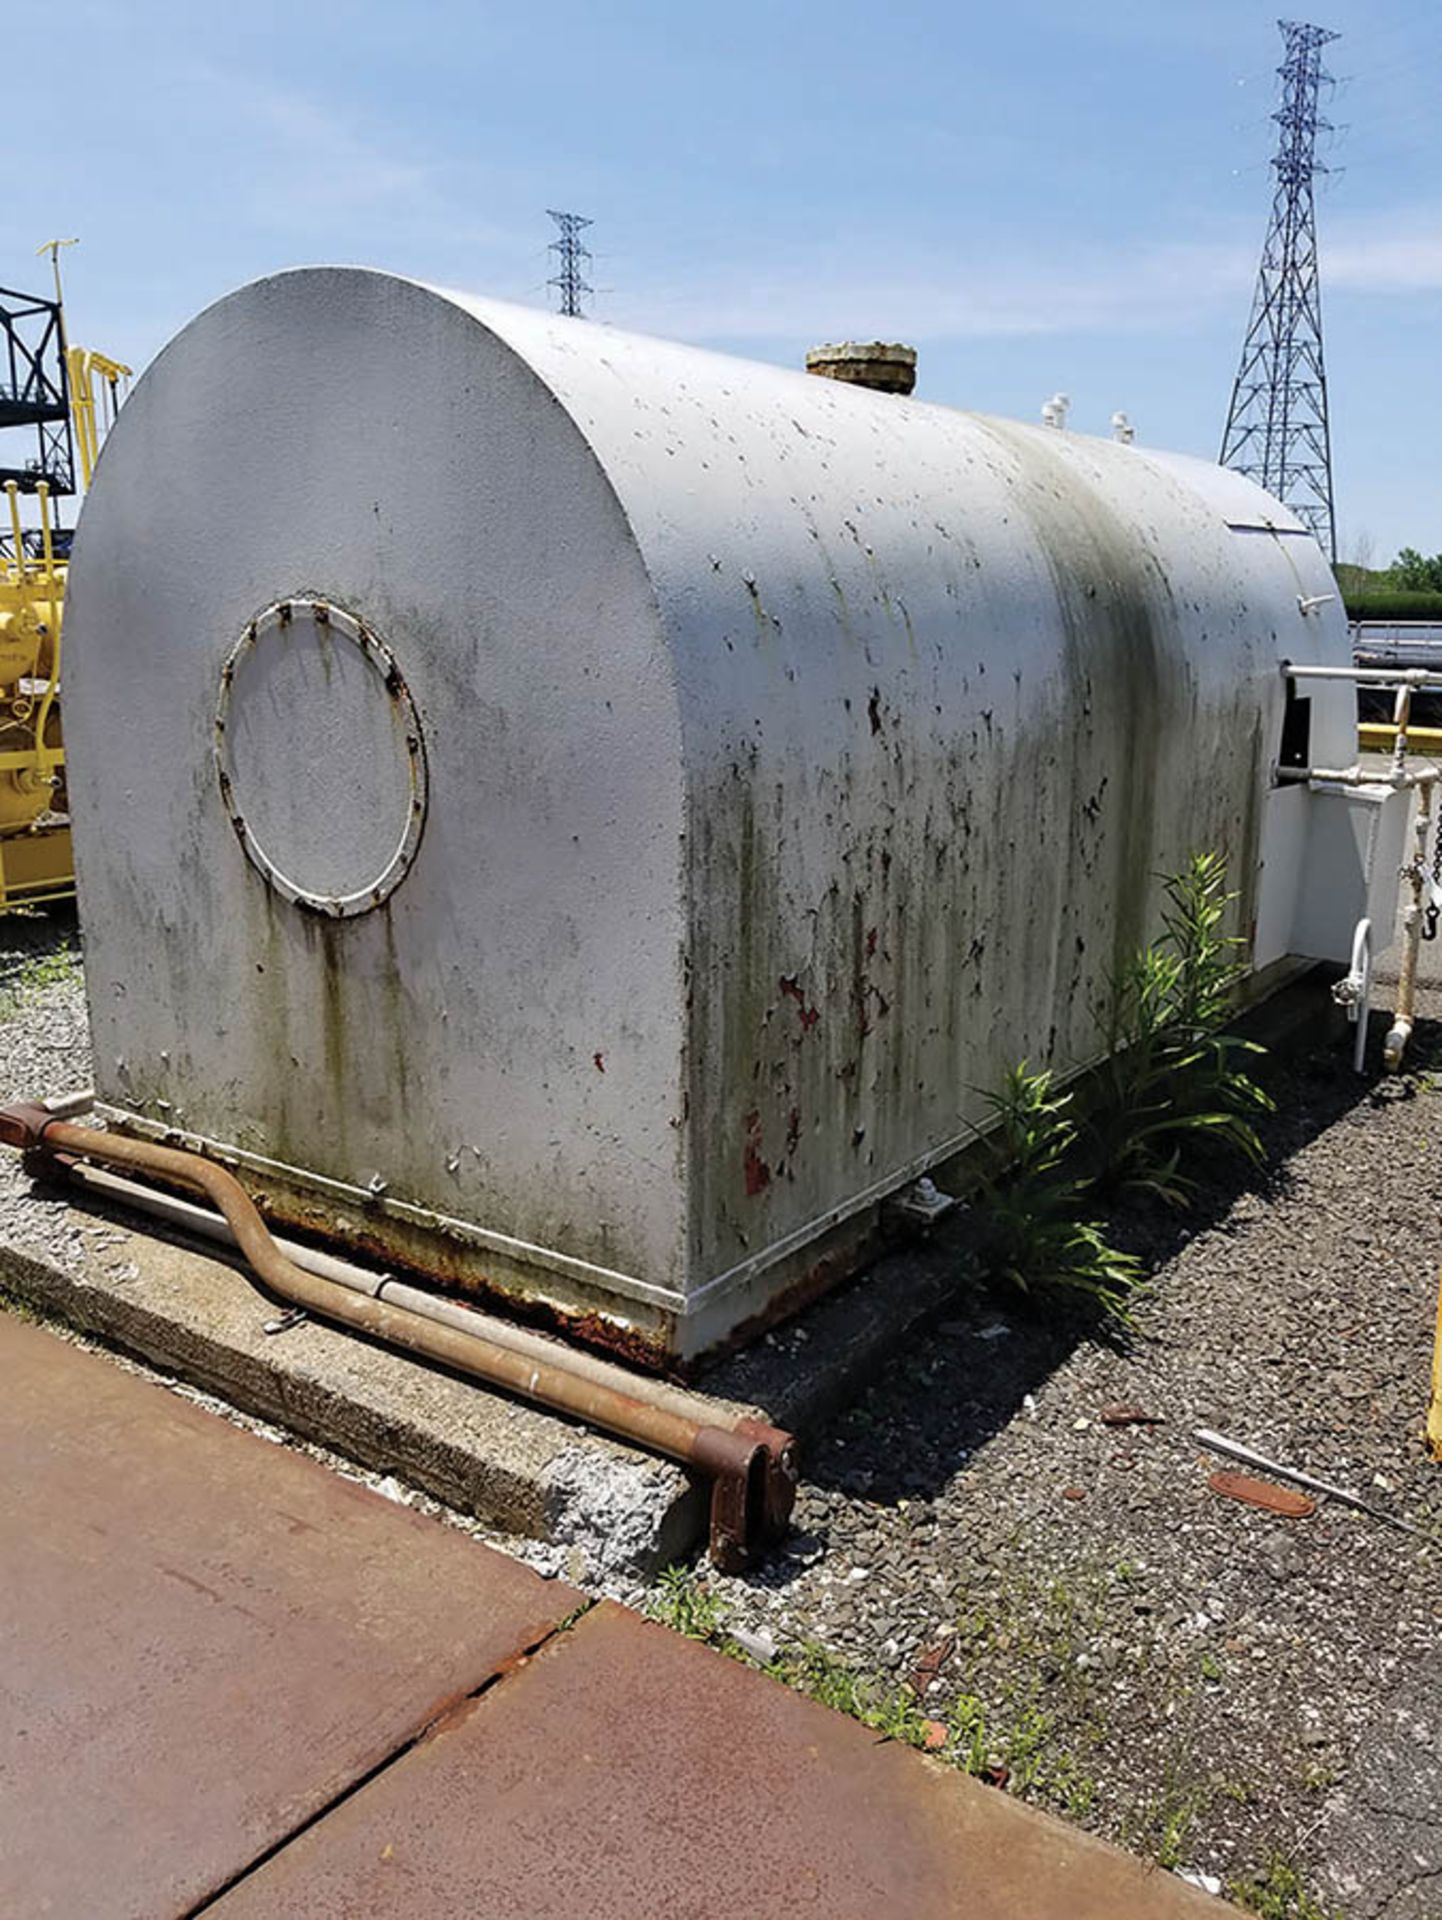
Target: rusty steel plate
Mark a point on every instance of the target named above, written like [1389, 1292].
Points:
[626, 1773]
[205, 1638]
[1262, 1493]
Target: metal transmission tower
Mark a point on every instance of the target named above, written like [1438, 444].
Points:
[1277, 430]
[35, 390]
[571, 281]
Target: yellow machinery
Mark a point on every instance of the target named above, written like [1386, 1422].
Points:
[70, 396]
[35, 862]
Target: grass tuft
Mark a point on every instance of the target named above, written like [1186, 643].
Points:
[684, 1604]
[1277, 1893]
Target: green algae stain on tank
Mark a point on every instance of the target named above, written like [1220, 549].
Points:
[1114, 712]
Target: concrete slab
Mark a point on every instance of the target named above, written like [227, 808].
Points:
[613, 1509]
[624, 1771]
[205, 1640]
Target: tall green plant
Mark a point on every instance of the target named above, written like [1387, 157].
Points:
[1032, 1207]
[1173, 1078]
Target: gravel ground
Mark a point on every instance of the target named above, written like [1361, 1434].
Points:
[1236, 1694]
[44, 1049]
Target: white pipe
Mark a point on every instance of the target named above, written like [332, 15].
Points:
[66, 1106]
[1360, 776]
[1416, 877]
[1373, 676]
[1355, 992]
[451, 1313]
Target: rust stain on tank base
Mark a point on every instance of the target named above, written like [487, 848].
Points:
[850, 1251]
[629, 1344]
[451, 1267]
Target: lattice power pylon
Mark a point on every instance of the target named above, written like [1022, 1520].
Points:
[35, 391]
[1277, 430]
[571, 281]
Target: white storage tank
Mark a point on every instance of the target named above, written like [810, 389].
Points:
[584, 817]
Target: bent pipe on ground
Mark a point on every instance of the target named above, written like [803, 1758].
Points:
[208, 1225]
[752, 1477]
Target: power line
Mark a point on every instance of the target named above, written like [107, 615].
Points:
[1277, 431]
[571, 282]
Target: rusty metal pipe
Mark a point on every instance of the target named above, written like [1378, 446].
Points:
[431, 1306]
[743, 1507]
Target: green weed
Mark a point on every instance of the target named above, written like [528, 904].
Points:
[18, 1309]
[1165, 1823]
[1318, 1776]
[1071, 1788]
[21, 980]
[969, 1744]
[1173, 1080]
[682, 1603]
[1031, 1209]
[814, 1670]
[1026, 1747]
[1277, 1893]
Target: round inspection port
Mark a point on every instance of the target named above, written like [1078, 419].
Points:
[319, 756]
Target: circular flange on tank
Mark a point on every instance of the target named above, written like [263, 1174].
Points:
[319, 756]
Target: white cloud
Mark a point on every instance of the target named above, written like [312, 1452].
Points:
[1405, 257]
[1116, 290]
[1121, 292]
[321, 164]
[296, 169]
[296, 161]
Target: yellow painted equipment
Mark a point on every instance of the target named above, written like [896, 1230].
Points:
[36, 864]
[1377, 736]
[93, 414]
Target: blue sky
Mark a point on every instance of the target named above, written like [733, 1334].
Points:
[1040, 196]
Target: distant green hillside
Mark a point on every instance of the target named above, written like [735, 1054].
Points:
[1410, 589]
[1380, 603]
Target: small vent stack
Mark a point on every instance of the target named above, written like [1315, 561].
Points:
[886, 367]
